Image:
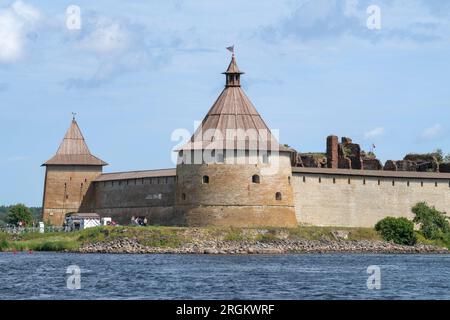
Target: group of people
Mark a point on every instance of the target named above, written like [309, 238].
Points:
[139, 221]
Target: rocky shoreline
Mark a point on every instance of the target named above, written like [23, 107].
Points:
[132, 246]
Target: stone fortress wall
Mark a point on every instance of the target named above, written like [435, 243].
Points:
[359, 198]
[224, 194]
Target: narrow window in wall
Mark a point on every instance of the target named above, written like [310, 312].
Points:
[379, 182]
[349, 181]
[304, 179]
[364, 181]
[289, 179]
[407, 183]
[278, 196]
[334, 180]
[183, 196]
[421, 183]
[205, 179]
[85, 180]
[393, 183]
[320, 179]
[436, 184]
[255, 178]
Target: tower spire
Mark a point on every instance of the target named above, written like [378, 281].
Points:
[233, 74]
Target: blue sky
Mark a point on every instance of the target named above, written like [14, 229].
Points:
[138, 70]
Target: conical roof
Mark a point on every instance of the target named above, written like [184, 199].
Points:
[233, 112]
[232, 67]
[73, 150]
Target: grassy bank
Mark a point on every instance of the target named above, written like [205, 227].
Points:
[175, 237]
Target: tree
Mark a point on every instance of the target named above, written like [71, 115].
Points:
[434, 224]
[20, 213]
[398, 230]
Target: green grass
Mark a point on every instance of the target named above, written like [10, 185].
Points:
[173, 237]
[440, 243]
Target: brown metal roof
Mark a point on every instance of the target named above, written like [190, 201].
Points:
[73, 150]
[374, 173]
[136, 175]
[233, 113]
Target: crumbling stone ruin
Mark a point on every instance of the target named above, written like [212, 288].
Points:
[349, 155]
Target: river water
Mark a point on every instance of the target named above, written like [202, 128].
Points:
[296, 276]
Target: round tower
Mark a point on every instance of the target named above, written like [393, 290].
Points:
[233, 171]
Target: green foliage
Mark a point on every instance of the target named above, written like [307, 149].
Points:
[398, 230]
[4, 210]
[434, 224]
[440, 156]
[371, 155]
[19, 212]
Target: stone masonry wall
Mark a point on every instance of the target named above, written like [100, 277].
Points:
[354, 201]
[145, 197]
[231, 198]
[67, 189]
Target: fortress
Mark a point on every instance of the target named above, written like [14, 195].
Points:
[233, 172]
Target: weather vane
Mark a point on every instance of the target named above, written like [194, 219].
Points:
[73, 115]
[231, 49]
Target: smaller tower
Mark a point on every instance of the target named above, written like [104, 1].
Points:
[68, 177]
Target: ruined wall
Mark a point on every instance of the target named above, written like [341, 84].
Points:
[232, 198]
[67, 189]
[361, 201]
[145, 197]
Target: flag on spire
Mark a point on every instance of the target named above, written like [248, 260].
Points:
[231, 49]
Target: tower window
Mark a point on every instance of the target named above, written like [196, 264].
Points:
[289, 179]
[255, 179]
[278, 196]
[205, 179]
[183, 196]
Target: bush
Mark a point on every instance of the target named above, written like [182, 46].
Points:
[434, 224]
[398, 230]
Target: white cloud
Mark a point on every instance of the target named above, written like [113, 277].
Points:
[105, 37]
[374, 133]
[26, 12]
[15, 22]
[432, 132]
